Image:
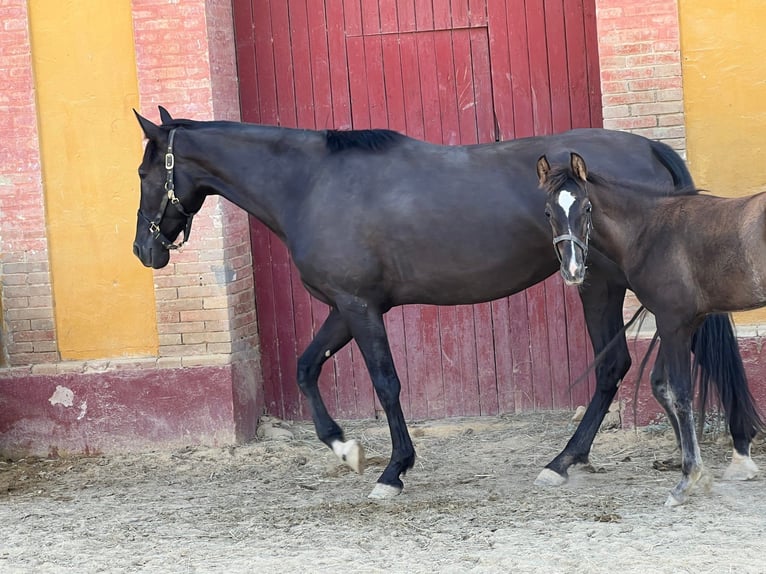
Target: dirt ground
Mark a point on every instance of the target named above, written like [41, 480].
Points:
[469, 505]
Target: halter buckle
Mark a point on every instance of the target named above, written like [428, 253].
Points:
[170, 160]
[154, 229]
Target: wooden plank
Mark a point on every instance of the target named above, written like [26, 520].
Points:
[501, 331]
[558, 76]
[460, 18]
[485, 359]
[247, 69]
[538, 67]
[557, 342]
[466, 99]
[376, 87]
[389, 23]
[500, 66]
[594, 72]
[521, 352]
[336, 51]
[392, 71]
[352, 11]
[429, 87]
[370, 18]
[447, 90]
[482, 81]
[405, 10]
[539, 351]
[415, 328]
[442, 15]
[303, 88]
[320, 64]
[577, 64]
[302, 316]
[424, 15]
[357, 81]
[477, 13]
[340, 372]
[523, 125]
[283, 61]
[267, 318]
[264, 55]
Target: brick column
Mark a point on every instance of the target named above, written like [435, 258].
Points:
[640, 59]
[27, 332]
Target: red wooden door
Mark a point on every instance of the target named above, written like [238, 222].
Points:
[446, 71]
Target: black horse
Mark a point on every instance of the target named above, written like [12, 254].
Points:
[374, 219]
[685, 256]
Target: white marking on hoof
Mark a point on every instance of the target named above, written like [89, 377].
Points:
[548, 477]
[383, 491]
[351, 453]
[742, 467]
[673, 501]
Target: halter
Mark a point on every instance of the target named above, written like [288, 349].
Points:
[569, 237]
[170, 195]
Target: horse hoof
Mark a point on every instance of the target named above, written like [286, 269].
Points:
[675, 500]
[548, 477]
[741, 468]
[384, 491]
[351, 453]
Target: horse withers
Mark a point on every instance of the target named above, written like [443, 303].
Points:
[374, 219]
[685, 256]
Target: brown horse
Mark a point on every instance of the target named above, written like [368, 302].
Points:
[685, 256]
[374, 219]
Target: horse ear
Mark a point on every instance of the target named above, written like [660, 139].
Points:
[165, 116]
[543, 169]
[578, 166]
[151, 130]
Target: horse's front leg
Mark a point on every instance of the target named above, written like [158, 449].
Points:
[602, 301]
[369, 332]
[331, 337]
[675, 350]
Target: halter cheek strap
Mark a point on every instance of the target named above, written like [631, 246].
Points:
[169, 196]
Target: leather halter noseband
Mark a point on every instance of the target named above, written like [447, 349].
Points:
[169, 196]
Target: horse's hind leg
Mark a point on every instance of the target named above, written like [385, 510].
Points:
[661, 392]
[602, 303]
[369, 332]
[331, 337]
[675, 350]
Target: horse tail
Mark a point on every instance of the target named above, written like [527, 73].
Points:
[717, 361]
[674, 163]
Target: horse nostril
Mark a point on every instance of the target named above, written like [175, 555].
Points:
[135, 249]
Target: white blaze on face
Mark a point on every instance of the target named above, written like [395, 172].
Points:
[566, 201]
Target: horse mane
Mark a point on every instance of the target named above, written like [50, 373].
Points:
[365, 140]
[559, 174]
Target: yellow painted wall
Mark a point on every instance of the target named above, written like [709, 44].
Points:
[85, 74]
[724, 80]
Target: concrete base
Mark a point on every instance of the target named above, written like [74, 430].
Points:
[128, 409]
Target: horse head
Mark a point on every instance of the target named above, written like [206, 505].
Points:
[168, 198]
[568, 210]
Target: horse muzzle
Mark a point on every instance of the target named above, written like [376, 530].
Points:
[155, 257]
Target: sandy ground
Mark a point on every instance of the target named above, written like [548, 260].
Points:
[469, 505]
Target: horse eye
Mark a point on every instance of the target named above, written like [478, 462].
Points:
[588, 207]
[548, 213]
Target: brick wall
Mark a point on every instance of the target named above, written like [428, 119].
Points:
[640, 58]
[27, 331]
[205, 301]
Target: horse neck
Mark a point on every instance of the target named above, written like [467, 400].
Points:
[261, 169]
[620, 220]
